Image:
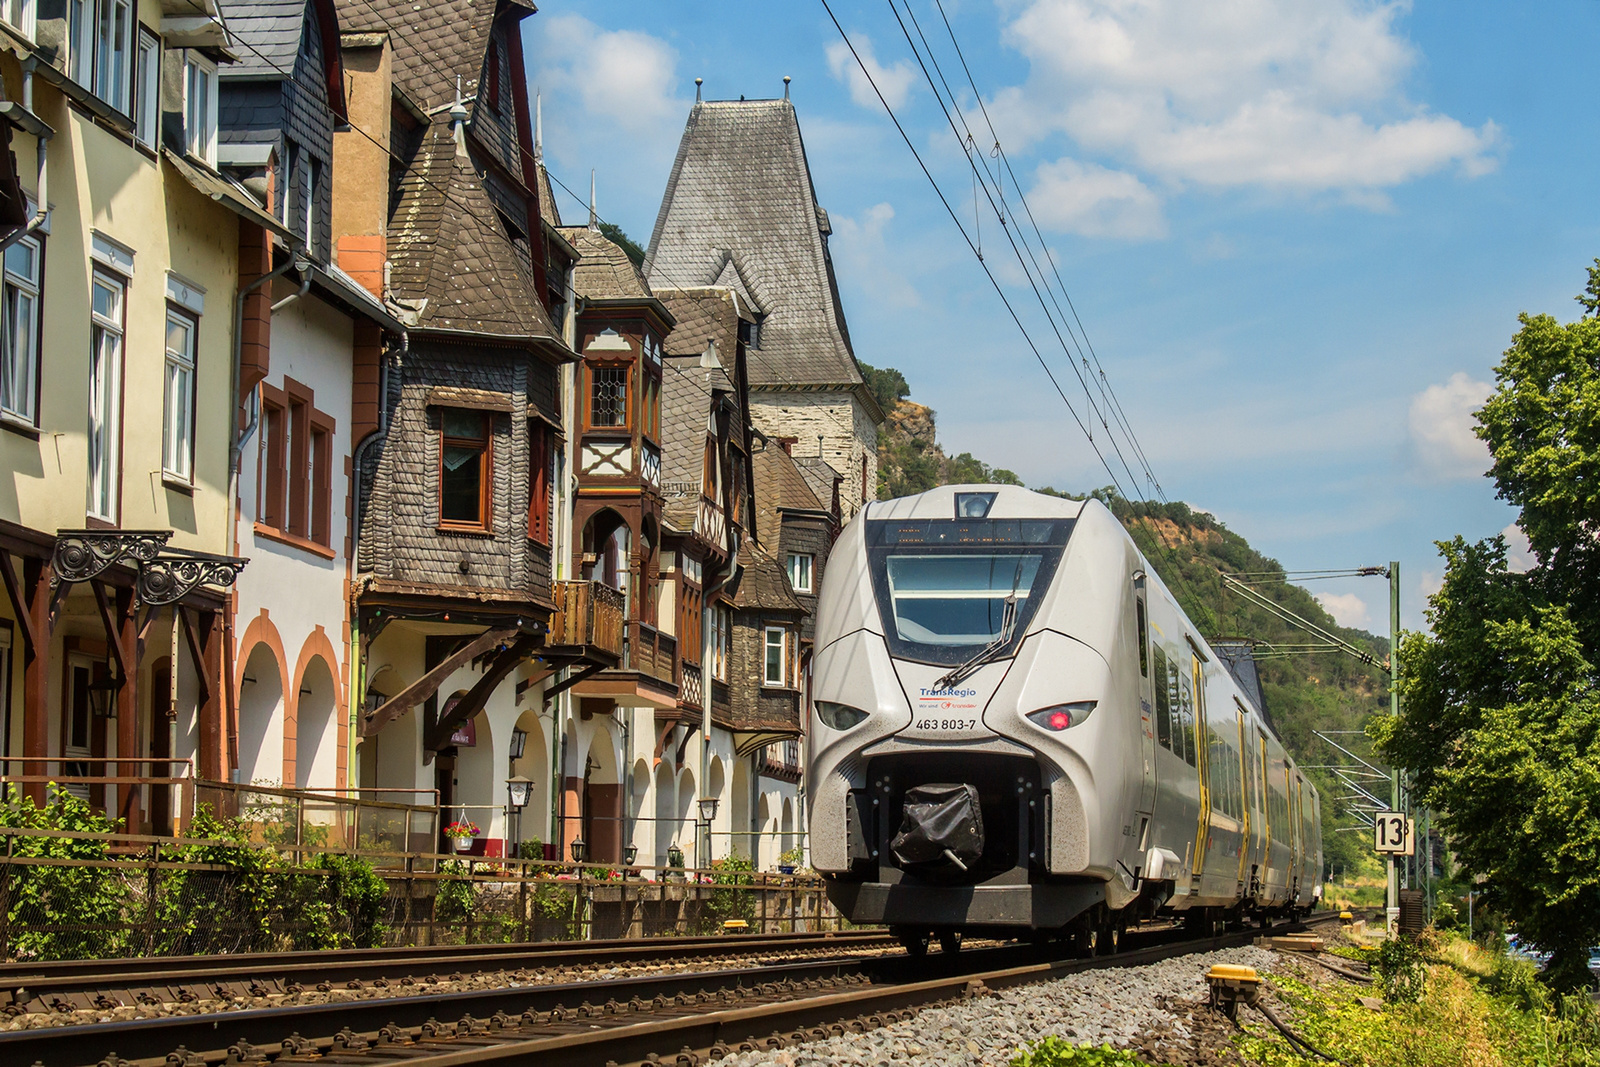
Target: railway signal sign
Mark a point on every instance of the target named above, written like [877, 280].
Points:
[1393, 833]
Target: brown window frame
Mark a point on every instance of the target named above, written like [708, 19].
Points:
[627, 395]
[485, 520]
[540, 452]
[295, 468]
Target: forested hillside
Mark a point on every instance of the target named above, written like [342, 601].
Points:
[1190, 550]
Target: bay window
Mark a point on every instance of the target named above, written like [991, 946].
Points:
[608, 397]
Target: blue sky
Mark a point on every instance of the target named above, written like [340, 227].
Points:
[1298, 231]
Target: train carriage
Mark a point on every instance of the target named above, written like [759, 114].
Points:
[1016, 729]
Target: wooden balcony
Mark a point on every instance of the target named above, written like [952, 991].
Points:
[588, 616]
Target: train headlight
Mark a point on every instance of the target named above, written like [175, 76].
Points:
[839, 716]
[1062, 716]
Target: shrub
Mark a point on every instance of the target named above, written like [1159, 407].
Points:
[95, 899]
[1402, 970]
[1052, 1051]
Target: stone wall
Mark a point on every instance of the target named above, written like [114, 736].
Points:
[849, 436]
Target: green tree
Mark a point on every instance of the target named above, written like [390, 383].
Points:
[1500, 721]
[888, 385]
[613, 233]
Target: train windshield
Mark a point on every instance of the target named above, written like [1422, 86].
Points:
[943, 584]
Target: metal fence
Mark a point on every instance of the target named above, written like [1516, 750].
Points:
[77, 895]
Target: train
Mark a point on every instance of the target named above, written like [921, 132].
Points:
[1016, 732]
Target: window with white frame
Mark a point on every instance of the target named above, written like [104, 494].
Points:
[147, 89]
[108, 293]
[19, 14]
[800, 571]
[19, 337]
[177, 451]
[200, 107]
[777, 657]
[100, 48]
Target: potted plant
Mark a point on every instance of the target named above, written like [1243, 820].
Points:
[461, 834]
[789, 862]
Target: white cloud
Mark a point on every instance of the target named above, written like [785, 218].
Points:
[1303, 95]
[859, 248]
[1519, 553]
[619, 76]
[894, 82]
[1430, 583]
[1347, 609]
[1441, 428]
[1088, 199]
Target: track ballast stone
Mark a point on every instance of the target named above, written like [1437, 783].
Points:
[1121, 1006]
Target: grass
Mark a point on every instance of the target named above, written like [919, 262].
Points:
[1473, 1007]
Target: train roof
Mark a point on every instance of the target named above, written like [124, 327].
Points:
[1010, 502]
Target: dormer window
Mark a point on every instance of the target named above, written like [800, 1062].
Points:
[750, 332]
[100, 47]
[200, 107]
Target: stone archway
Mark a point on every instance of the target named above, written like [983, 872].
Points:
[786, 828]
[716, 786]
[602, 799]
[742, 842]
[532, 823]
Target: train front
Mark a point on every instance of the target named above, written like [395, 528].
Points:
[954, 740]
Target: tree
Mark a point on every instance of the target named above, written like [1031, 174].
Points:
[888, 385]
[1500, 722]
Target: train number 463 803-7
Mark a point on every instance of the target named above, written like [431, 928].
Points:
[946, 724]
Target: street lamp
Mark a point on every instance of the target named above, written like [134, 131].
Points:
[708, 812]
[518, 788]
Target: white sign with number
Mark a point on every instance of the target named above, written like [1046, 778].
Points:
[1391, 833]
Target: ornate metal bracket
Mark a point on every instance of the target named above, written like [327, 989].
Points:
[175, 573]
[82, 555]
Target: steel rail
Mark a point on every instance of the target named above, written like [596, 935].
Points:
[407, 1027]
[26, 981]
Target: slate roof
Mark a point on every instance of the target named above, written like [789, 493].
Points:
[604, 272]
[547, 197]
[740, 212]
[434, 42]
[271, 28]
[779, 484]
[820, 476]
[448, 246]
[687, 391]
[702, 315]
[764, 584]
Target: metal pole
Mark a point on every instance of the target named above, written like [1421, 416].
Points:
[1392, 908]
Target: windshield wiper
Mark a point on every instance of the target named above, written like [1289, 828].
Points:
[990, 652]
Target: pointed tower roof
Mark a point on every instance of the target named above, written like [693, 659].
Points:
[740, 212]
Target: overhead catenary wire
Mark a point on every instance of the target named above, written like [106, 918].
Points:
[982, 177]
[993, 281]
[1115, 402]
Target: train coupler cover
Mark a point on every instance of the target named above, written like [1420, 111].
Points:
[941, 822]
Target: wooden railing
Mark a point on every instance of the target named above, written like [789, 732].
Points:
[690, 686]
[651, 652]
[587, 613]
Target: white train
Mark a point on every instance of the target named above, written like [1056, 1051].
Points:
[1017, 731]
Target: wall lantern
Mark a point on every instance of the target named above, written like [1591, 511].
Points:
[519, 744]
[517, 791]
[577, 850]
[708, 809]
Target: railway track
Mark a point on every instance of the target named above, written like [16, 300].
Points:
[104, 984]
[694, 1016]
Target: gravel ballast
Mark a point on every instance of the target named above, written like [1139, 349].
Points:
[1119, 1006]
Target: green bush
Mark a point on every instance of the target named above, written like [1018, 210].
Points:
[1052, 1051]
[94, 899]
[1402, 970]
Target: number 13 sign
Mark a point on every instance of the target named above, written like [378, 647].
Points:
[1392, 833]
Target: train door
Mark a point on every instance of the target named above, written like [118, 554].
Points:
[1198, 738]
[1293, 835]
[1147, 725]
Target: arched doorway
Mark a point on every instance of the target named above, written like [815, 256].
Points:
[666, 809]
[316, 743]
[602, 800]
[716, 786]
[685, 830]
[530, 828]
[742, 842]
[786, 828]
[261, 719]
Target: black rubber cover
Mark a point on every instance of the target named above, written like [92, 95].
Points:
[939, 817]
